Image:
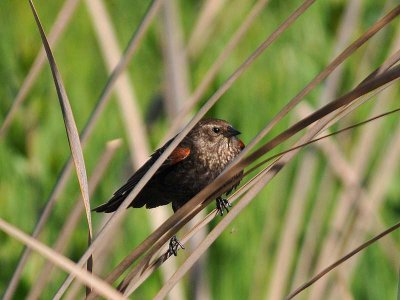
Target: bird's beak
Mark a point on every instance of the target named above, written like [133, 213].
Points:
[231, 132]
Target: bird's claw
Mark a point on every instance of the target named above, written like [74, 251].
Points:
[223, 204]
[174, 245]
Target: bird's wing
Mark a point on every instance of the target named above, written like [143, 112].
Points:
[176, 156]
[179, 154]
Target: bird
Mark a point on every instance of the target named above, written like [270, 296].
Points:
[197, 160]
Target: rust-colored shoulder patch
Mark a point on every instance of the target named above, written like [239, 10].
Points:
[241, 145]
[178, 155]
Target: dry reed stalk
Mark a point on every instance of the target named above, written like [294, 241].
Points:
[269, 231]
[361, 156]
[342, 260]
[101, 253]
[375, 28]
[280, 274]
[212, 72]
[176, 65]
[88, 278]
[61, 22]
[134, 279]
[177, 81]
[156, 263]
[356, 187]
[105, 96]
[292, 228]
[316, 221]
[139, 274]
[341, 167]
[348, 24]
[342, 292]
[334, 156]
[124, 89]
[178, 219]
[323, 116]
[135, 128]
[176, 86]
[314, 229]
[363, 203]
[204, 24]
[73, 218]
[204, 222]
[329, 91]
[158, 211]
[67, 168]
[177, 89]
[369, 33]
[386, 97]
[372, 48]
[185, 209]
[221, 226]
[72, 133]
[374, 197]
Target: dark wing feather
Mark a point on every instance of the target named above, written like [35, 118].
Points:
[179, 154]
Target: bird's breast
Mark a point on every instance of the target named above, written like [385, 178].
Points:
[191, 175]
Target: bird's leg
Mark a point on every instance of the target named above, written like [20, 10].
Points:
[174, 245]
[222, 204]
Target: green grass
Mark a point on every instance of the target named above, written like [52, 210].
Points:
[35, 148]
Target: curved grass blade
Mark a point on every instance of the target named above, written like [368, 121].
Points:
[342, 260]
[318, 115]
[60, 24]
[216, 96]
[70, 126]
[61, 261]
[180, 217]
[162, 258]
[175, 219]
[88, 129]
[71, 222]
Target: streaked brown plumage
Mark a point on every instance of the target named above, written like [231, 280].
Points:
[201, 156]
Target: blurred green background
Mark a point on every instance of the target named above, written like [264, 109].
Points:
[241, 262]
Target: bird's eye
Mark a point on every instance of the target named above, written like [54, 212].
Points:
[216, 129]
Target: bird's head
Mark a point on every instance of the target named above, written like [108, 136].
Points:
[213, 134]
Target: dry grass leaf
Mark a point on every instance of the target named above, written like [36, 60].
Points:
[70, 126]
[100, 286]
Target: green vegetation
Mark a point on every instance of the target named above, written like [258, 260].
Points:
[241, 262]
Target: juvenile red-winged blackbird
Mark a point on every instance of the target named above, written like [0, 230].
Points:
[201, 156]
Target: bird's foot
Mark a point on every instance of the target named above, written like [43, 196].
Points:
[223, 204]
[174, 245]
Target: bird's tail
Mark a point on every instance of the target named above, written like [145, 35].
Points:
[111, 205]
